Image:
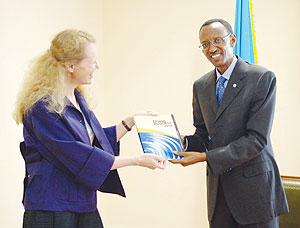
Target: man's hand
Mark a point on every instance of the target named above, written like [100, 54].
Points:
[189, 158]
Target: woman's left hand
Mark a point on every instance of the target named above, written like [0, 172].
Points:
[130, 120]
[127, 124]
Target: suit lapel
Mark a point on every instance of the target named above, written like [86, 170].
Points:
[210, 91]
[233, 88]
[94, 124]
[70, 118]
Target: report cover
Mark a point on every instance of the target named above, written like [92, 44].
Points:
[159, 135]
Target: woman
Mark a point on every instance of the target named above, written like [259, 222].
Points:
[68, 155]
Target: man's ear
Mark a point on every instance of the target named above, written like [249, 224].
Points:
[232, 40]
[70, 66]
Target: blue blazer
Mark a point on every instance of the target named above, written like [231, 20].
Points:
[64, 169]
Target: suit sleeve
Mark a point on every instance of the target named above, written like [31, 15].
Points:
[84, 163]
[257, 129]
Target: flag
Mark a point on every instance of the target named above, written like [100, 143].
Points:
[245, 32]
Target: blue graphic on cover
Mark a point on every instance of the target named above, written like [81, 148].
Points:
[159, 135]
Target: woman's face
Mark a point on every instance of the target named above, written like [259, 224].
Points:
[83, 71]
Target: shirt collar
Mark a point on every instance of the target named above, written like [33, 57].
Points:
[229, 70]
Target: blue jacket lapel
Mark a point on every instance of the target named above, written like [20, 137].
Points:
[94, 123]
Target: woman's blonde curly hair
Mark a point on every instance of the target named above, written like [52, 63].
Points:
[47, 77]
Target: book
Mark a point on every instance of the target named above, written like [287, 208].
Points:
[159, 135]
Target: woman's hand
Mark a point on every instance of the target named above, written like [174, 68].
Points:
[151, 161]
[145, 160]
[127, 124]
[145, 113]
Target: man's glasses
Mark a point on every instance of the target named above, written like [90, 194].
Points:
[216, 42]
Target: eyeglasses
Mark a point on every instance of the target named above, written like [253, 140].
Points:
[216, 42]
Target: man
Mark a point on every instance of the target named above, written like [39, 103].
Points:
[233, 109]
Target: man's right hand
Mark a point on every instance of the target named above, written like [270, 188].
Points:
[189, 158]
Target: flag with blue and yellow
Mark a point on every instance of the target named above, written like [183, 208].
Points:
[245, 31]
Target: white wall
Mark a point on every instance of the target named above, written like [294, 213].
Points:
[149, 57]
[278, 32]
[27, 28]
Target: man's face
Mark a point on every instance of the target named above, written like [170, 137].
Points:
[220, 54]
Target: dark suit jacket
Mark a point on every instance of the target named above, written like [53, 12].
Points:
[237, 139]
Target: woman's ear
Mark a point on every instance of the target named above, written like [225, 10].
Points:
[69, 66]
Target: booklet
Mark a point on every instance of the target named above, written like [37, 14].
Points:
[159, 135]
